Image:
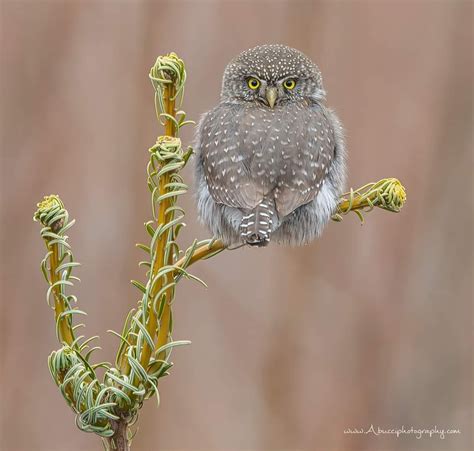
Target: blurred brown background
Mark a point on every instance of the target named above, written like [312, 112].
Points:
[369, 325]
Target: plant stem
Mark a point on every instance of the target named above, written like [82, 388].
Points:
[388, 194]
[165, 319]
[119, 441]
[357, 203]
[64, 329]
[202, 252]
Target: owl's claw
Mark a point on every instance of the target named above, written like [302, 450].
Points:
[256, 239]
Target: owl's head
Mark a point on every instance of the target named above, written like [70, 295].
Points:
[272, 75]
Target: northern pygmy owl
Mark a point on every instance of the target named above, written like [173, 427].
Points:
[270, 157]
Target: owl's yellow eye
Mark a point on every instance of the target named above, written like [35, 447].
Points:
[289, 84]
[253, 83]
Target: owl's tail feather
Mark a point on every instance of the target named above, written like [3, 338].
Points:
[256, 226]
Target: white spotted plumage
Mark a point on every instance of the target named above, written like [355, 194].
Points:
[260, 169]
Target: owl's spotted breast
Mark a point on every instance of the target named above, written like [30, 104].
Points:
[250, 152]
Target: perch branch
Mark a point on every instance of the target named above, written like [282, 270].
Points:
[388, 194]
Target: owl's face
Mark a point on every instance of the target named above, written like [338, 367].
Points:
[272, 75]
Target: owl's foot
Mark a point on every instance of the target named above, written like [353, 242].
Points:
[257, 240]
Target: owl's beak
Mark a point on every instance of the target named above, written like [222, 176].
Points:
[271, 94]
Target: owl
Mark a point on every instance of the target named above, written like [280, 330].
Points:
[270, 157]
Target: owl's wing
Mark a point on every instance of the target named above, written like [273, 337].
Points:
[308, 151]
[250, 153]
[226, 157]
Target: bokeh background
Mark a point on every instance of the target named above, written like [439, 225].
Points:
[291, 347]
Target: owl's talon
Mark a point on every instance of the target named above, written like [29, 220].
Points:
[256, 239]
